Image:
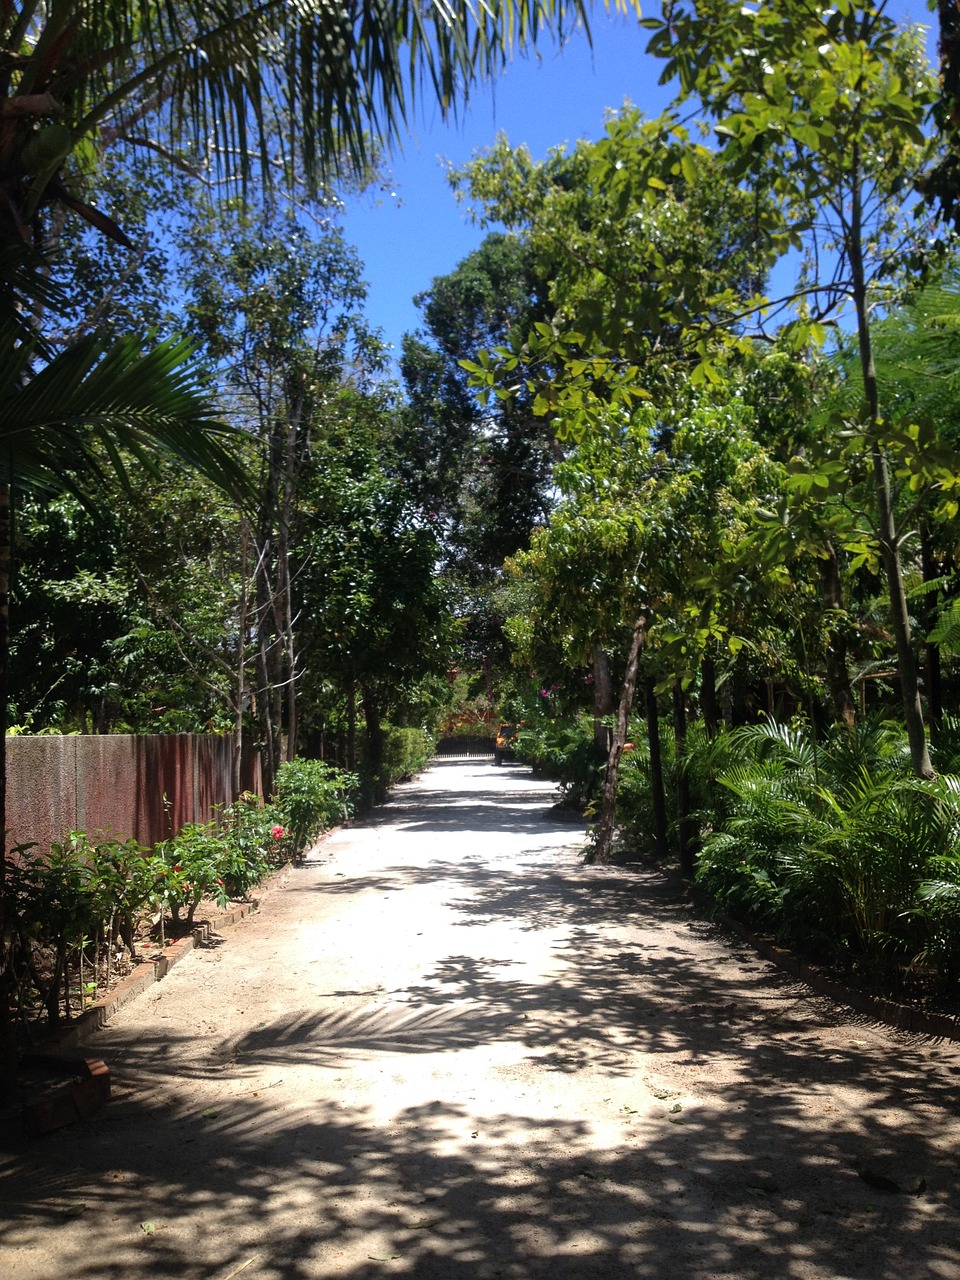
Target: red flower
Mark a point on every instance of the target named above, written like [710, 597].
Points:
[277, 832]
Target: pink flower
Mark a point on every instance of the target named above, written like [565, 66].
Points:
[277, 832]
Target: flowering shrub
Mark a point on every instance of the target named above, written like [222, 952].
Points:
[310, 798]
[194, 862]
[68, 908]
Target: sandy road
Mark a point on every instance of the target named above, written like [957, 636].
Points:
[446, 1049]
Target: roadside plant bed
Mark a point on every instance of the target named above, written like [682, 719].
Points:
[84, 912]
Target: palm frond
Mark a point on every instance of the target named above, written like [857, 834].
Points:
[63, 422]
[325, 77]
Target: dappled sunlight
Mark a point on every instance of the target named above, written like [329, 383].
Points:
[486, 1062]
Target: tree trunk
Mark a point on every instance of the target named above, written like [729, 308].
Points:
[883, 490]
[838, 673]
[708, 696]
[375, 740]
[5, 559]
[352, 729]
[932, 670]
[603, 840]
[603, 703]
[686, 838]
[658, 795]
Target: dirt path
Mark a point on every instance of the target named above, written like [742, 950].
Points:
[446, 1049]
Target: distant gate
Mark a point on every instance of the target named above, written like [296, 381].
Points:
[465, 748]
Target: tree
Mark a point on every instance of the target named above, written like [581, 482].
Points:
[322, 80]
[484, 470]
[823, 110]
[649, 247]
[277, 305]
[375, 616]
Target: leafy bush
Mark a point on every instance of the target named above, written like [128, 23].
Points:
[836, 845]
[254, 843]
[193, 865]
[83, 894]
[406, 752]
[564, 749]
[311, 797]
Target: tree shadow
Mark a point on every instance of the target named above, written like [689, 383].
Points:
[745, 1128]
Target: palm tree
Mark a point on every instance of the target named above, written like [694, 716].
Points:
[328, 78]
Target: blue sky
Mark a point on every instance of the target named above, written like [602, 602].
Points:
[543, 101]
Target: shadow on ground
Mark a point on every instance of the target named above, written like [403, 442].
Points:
[685, 1193]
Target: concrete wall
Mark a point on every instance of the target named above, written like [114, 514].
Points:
[145, 786]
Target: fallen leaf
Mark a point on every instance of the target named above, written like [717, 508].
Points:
[209, 1114]
[763, 1182]
[676, 1107]
[148, 1228]
[74, 1210]
[878, 1181]
[917, 1186]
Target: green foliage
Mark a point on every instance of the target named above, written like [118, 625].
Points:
[310, 797]
[82, 893]
[192, 864]
[482, 470]
[835, 846]
[564, 749]
[407, 751]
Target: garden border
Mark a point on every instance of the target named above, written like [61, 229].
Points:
[156, 968]
[903, 1017]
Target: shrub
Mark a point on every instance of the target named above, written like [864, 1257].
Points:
[564, 749]
[406, 751]
[311, 797]
[79, 896]
[836, 845]
[194, 861]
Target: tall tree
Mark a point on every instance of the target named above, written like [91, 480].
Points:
[824, 110]
[277, 306]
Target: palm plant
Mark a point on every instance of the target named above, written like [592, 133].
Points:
[832, 842]
[324, 78]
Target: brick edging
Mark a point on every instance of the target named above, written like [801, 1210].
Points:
[157, 967]
[146, 973]
[904, 1017]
